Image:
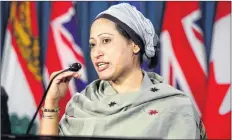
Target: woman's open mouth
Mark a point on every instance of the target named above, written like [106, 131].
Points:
[101, 66]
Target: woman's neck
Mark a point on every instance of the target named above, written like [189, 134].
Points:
[129, 82]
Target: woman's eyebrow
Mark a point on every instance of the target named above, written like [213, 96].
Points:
[101, 34]
[104, 33]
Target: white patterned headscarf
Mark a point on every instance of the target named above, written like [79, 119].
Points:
[134, 19]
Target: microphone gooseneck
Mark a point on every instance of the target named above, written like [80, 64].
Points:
[74, 67]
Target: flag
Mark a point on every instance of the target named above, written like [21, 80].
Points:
[183, 59]
[217, 116]
[21, 71]
[63, 48]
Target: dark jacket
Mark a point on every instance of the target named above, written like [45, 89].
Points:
[5, 121]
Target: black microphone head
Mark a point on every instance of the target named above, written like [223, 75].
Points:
[75, 67]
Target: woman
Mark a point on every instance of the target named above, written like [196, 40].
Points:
[125, 101]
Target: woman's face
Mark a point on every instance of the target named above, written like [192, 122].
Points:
[111, 53]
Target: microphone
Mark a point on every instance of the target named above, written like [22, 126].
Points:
[73, 67]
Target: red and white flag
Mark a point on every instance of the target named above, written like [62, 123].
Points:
[183, 59]
[63, 48]
[217, 116]
[20, 70]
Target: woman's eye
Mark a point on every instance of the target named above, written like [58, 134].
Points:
[106, 40]
[91, 45]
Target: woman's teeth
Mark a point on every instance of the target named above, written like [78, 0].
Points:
[101, 64]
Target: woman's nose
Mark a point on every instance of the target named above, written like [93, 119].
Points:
[98, 53]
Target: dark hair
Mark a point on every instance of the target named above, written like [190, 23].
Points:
[153, 61]
[129, 33]
[127, 36]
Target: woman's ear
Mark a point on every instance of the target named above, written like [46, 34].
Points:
[136, 48]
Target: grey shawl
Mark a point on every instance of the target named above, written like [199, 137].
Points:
[156, 111]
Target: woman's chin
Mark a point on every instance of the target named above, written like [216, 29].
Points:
[105, 75]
